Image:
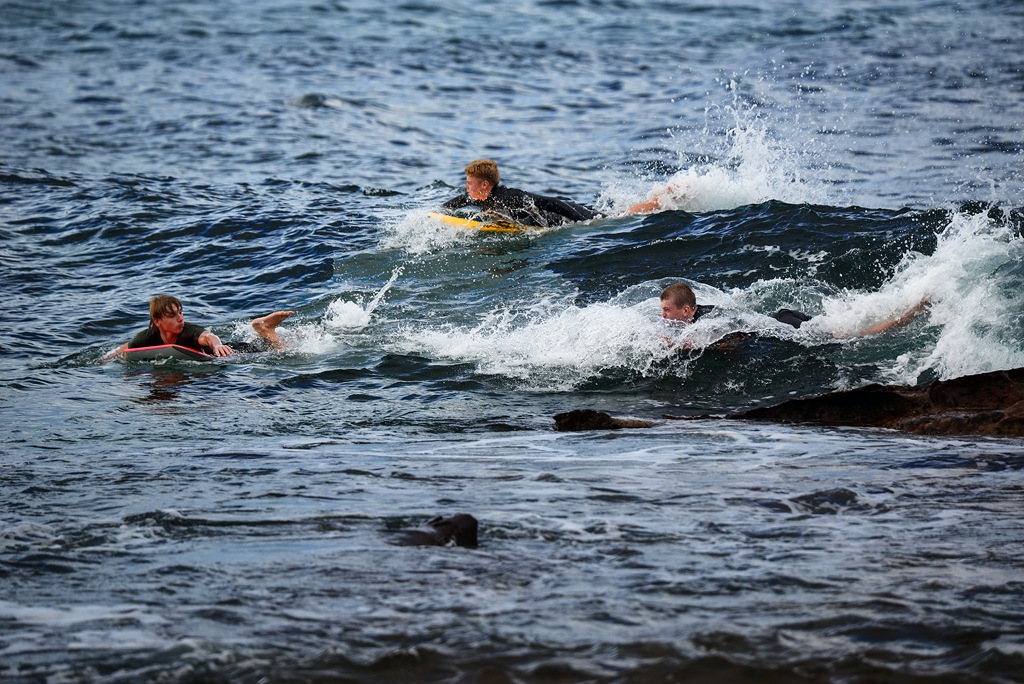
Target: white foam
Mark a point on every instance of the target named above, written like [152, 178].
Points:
[555, 343]
[21, 533]
[345, 315]
[73, 615]
[968, 326]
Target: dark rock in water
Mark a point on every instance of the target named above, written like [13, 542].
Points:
[830, 501]
[588, 419]
[985, 404]
[458, 530]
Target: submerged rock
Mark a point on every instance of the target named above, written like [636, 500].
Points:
[830, 501]
[589, 419]
[458, 530]
[985, 404]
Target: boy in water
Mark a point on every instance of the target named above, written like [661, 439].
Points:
[167, 326]
[484, 190]
[679, 303]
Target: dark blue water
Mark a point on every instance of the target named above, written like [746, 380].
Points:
[232, 521]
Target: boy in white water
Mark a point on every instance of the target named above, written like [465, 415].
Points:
[679, 303]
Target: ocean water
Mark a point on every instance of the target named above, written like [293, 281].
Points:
[233, 521]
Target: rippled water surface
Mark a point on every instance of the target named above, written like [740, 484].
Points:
[236, 520]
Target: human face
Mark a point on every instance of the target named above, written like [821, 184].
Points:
[170, 326]
[671, 312]
[478, 188]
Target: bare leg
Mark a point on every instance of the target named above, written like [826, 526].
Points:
[266, 327]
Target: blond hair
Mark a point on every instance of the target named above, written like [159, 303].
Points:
[485, 169]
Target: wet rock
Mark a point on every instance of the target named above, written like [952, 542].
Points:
[830, 501]
[588, 419]
[985, 404]
[458, 530]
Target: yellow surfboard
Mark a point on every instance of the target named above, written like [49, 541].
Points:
[482, 226]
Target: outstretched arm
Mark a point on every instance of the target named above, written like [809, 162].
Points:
[892, 323]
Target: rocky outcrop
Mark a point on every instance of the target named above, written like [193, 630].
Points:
[588, 419]
[985, 404]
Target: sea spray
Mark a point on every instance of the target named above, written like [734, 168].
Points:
[320, 337]
[416, 233]
[348, 315]
[742, 160]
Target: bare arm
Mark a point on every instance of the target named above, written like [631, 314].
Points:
[208, 339]
[892, 323]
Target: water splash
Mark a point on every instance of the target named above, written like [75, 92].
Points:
[342, 317]
[345, 315]
[743, 162]
[416, 233]
[379, 297]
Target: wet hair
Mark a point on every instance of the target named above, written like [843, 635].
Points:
[679, 295]
[486, 169]
[163, 305]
